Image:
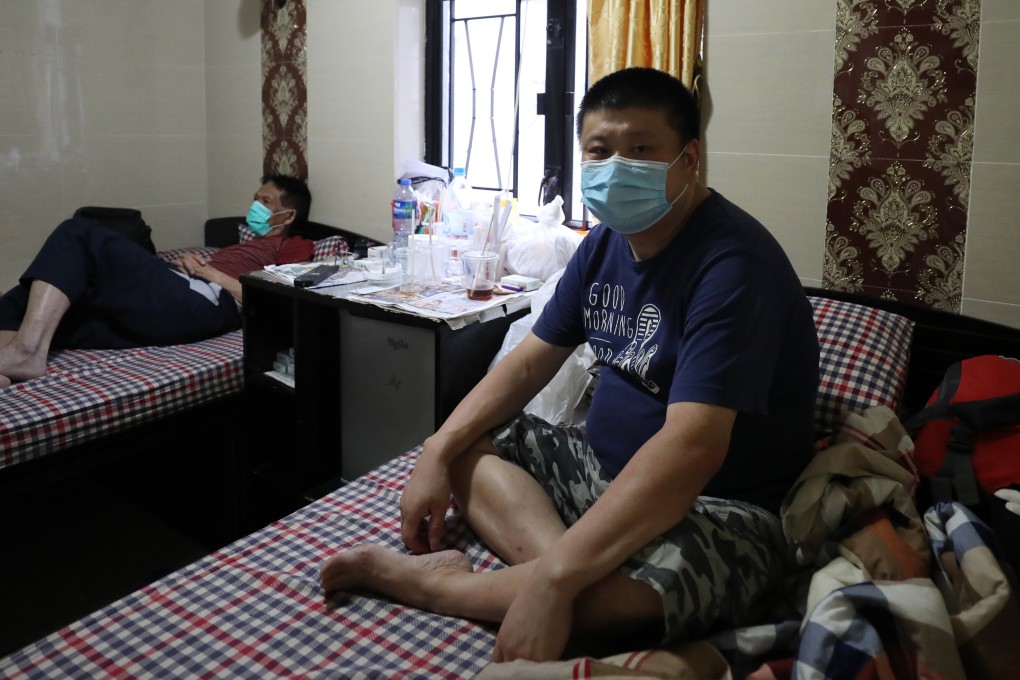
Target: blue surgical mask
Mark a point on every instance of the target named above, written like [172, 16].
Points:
[627, 195]
[258, 218]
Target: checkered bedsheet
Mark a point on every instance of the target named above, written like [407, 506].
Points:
[255, 609]
[88, 394]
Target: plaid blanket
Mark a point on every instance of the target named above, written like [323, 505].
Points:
[255, 609]
[88, 394]
[874, 608]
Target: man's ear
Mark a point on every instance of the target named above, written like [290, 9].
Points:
[694, 154]
[290, 219]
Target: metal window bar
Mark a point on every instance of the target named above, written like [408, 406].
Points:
[505, 180]
[441, 136]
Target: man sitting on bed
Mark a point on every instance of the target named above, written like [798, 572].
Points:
[661, 518]
[91, 287]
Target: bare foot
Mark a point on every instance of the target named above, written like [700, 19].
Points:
[417, 580]
[17, 364]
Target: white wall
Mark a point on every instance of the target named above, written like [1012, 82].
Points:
[103, 103]
[233, 111]
[991, 282]
[365, 115]
[768, 77]
[769, 83]
[365, 111]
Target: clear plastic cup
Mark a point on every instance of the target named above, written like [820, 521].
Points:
[479, 273]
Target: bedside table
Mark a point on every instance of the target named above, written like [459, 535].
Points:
[369, 384]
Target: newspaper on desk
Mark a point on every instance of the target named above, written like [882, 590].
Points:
[442, 301]
[289, 272]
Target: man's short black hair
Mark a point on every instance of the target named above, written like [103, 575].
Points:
[645, 88]
[294, 194]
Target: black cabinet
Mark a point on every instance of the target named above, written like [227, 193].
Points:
[368, 384]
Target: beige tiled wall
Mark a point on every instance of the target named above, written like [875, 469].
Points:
[769, 89]
[233, 108]
[365, 111]
[103, 103]
[991, 281]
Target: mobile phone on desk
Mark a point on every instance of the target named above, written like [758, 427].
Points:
[316, 276]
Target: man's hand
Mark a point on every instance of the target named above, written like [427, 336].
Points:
[1012, 499]
[536, 627]
[194, 265]
[199, 267]
[427, 494]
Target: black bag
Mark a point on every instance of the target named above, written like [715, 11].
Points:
[127, 221]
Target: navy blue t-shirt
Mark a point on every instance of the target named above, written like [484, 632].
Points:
[718, 317]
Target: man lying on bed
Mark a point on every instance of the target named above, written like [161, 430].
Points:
[661, 518]
[91, 287]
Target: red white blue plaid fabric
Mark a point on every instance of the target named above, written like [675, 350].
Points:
[255, 609]
[863, 357]
[87, 394]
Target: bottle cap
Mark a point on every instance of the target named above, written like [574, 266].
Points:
[405, 182]
[458, 171]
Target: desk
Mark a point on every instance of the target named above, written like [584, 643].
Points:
[369, 383]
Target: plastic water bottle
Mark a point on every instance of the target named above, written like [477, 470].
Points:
[459, 205]
[461, 190]
[403, 214]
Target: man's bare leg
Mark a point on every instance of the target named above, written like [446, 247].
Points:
[444, 583]
[5, 339]
[504, 505]
[512, 515]
[24, 356]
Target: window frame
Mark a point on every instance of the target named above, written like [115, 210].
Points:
[558, 111]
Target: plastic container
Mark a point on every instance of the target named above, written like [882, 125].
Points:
[403, 206]
[458, 206]
[479, 278]
[430, 254]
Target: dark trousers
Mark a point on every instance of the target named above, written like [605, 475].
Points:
[121, 296]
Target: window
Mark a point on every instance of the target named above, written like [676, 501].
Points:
[503, 81]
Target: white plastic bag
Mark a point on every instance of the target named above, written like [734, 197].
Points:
[557, 402]
[541, 249]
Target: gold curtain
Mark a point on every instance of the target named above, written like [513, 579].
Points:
[662, 34]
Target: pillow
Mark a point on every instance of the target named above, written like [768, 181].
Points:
[244, 234]
[863, 358]
[325, 248]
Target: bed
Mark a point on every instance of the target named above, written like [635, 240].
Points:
[254, 608]
[147, 423]
[89, 398]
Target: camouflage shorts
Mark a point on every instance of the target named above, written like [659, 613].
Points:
[713, 569]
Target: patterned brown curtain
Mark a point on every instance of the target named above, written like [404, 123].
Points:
[662, 34]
